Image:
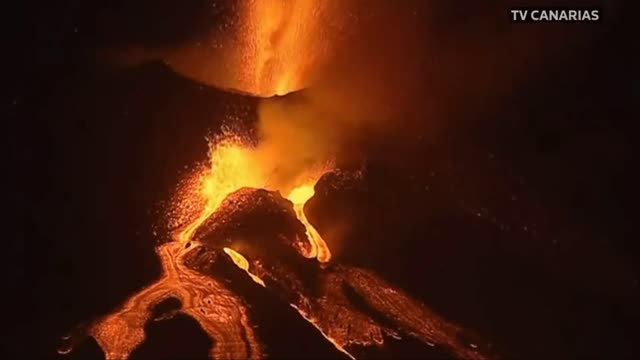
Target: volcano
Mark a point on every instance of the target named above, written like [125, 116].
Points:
[270, 239]
[323, 179]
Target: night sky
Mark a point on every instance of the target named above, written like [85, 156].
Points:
[515, 220]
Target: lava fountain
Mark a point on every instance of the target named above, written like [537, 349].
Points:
[236, 166]
[267, 48]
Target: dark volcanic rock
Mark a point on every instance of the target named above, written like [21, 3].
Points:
[254, 221]
[338, 207]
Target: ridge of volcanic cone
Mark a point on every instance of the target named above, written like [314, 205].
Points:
[267, 96]
[340, 181]
[257, 216]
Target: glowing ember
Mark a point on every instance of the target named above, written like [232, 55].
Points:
[224, 317]
[242, 263]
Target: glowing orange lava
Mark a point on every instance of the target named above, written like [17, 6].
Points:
[299, 196]
[281, 33]
[313, 322]
[242, 263]
[234, 165]
[224, 317]
[219, 312]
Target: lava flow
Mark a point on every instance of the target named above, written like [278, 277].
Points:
[279, 32]
[220, 313]
[299, 197]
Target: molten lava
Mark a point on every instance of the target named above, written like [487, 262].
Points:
[235, 165]
[224, 317]
[242, 263]
[299, 197]
[277, 32]
[280, 32]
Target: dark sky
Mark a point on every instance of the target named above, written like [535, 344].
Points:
[94, 149]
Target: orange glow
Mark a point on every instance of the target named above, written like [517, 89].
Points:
[282, 35]
[279, 44]
[232, 166]
[299, 196]
[242, 263]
